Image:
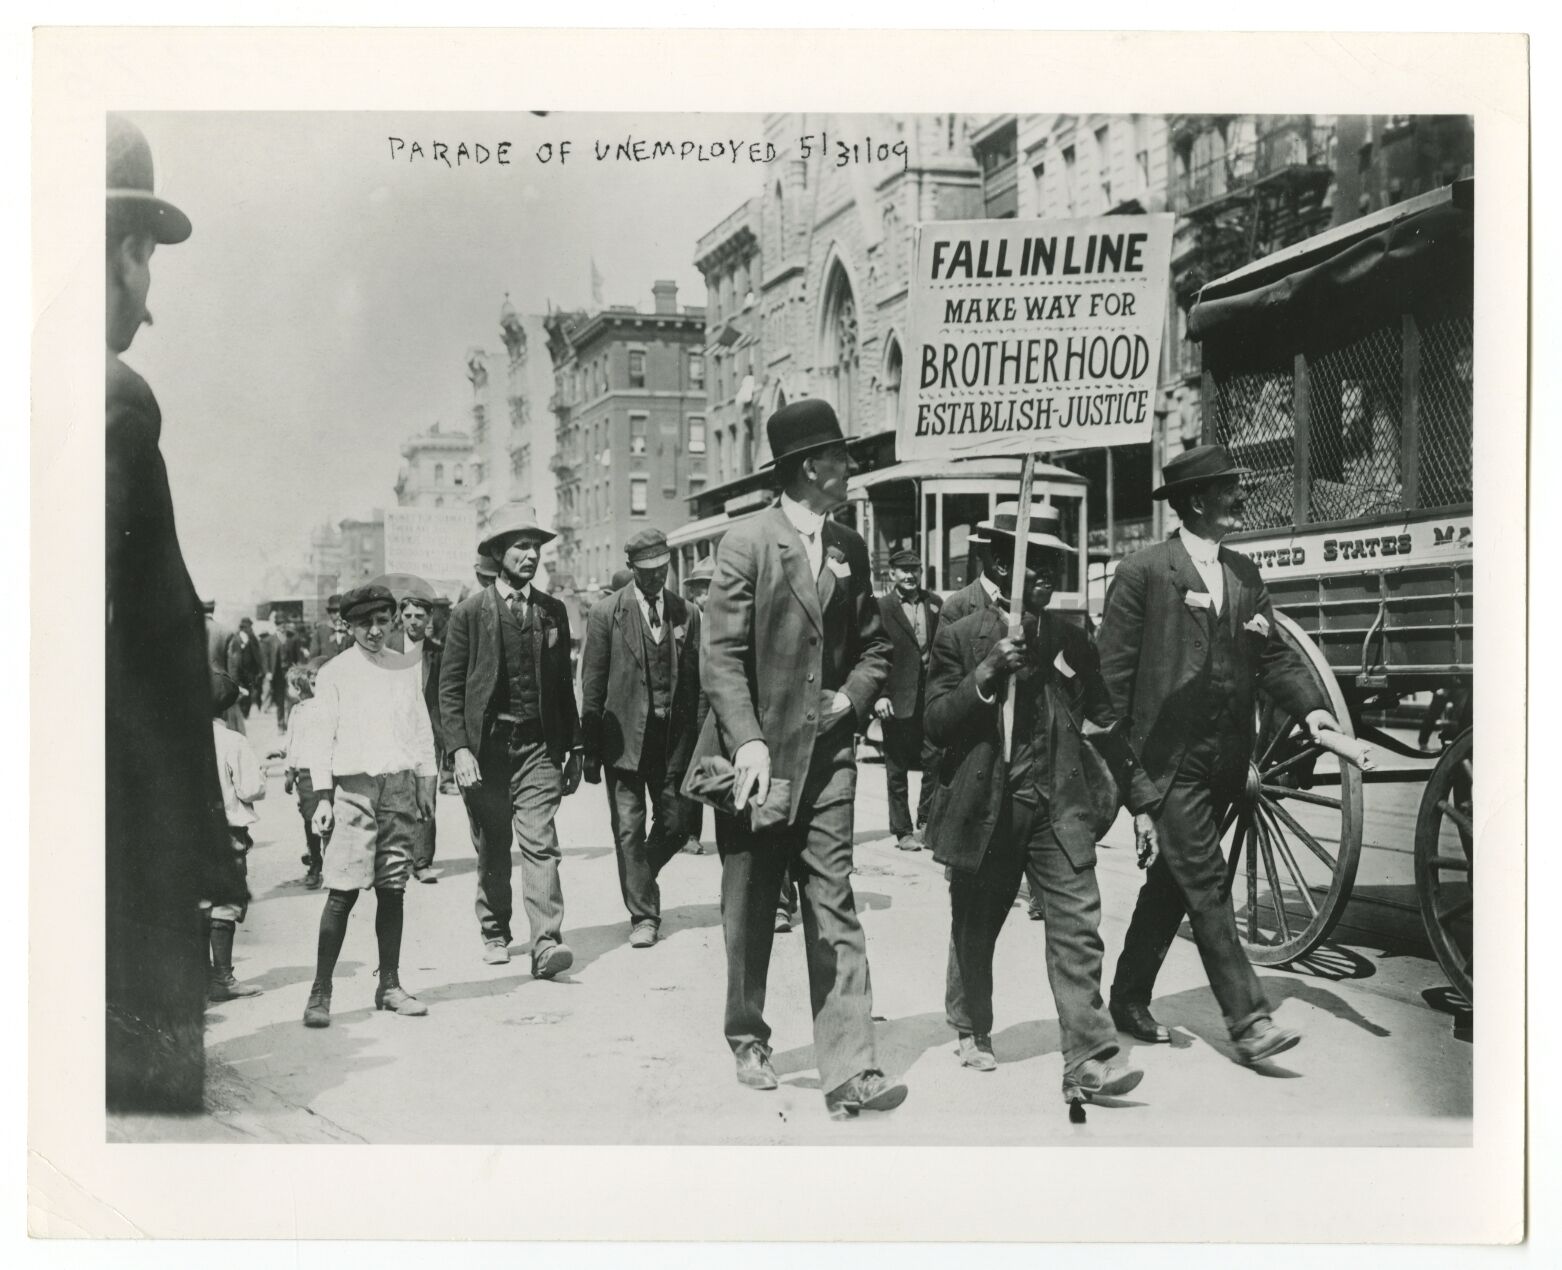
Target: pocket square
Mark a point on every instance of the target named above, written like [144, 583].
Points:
[1060, 664]
[1258, 624]
[840, 568]
[1197, 599]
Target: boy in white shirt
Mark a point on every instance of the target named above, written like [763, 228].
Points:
[243, 784]
[298, 759]
[374, 771]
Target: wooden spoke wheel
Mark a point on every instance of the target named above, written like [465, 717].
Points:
[1445, 862]
[1293, 838]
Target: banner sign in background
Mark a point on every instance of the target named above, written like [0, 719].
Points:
[1033, 335]
[435, 543]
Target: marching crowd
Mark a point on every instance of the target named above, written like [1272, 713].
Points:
[744, 695]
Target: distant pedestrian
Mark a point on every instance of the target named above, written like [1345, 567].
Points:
[484, 571]
[417, 641]
[374, 777]
[508, 715]
[292, 652]
[218, 638]
[166, 845]
[244, 666]
[301, 755]
[332, 635]
[696, 589]
[639, 699]
[910, 615]
[243, 784]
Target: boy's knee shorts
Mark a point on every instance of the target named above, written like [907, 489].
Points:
[376, 827]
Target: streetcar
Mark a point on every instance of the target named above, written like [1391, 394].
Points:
[1339, 373]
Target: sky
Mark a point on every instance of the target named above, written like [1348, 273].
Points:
[321, 311]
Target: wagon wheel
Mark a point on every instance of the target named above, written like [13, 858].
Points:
[1292, 849]
[1445, 860]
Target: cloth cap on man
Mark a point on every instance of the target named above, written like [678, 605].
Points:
[802, 427]
[507, 528]
[905, 560]
[365, 599]
[1195, 467]
[130, 184]
[648, 549]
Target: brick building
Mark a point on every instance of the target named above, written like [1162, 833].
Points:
[627, 386]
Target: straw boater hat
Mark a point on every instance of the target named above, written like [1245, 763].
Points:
[507, 528]
[130, 184]
[802, 427]
[1195, 467]
[1043, 531]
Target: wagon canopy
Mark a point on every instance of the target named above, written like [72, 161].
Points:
[1414, 256]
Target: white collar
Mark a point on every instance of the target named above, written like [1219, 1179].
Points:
[1202, 550]
[646, 600]
[993, 590]
[804, 519]
[506, 590]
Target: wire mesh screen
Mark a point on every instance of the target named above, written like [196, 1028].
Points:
[1354, 413]
[1446, 416]
[1253, 421]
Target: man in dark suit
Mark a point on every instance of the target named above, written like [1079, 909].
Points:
[1042, 810]
[416, 639]
[797, 657]
[218, 640]
[508, 717]
[166, 845]
[910, 616]
[639, 699]
[332, 635]
[1187, 635]
[980, 592]
[244, 666]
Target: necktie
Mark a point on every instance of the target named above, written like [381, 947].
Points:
[654, 609]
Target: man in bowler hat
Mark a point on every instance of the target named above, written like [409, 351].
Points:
[1187, 635]
[166, 842]
[910, 615]
[797, 657]
[508, 717]
[639, 699]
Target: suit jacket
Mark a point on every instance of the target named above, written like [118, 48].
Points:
[906, 680]
[167, 835]
[470, 666]
[433, 653]
[776, 634]
[1087, 784]
[1155, 652]
[615, 694]
[244, 666]
[971, 598]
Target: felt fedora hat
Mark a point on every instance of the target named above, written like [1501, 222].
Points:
[507, 528]
[703, 571]
[1194, 467]
[130, 184]
[802, 427]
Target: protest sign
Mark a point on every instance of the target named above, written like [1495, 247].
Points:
[1033, 335]
[435, 543]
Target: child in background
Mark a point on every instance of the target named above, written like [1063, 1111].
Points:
[243, 783]
[301, 752]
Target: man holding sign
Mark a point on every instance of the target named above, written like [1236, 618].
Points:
[1187, 635]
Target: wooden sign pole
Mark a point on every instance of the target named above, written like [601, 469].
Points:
[1017, 591]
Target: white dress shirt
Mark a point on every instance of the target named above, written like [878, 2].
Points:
[1206, 559]
[506, 591]
[810, 524]
[659, 626]
[373, 719]
[994, 592]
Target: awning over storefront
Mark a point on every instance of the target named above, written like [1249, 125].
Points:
[1407, 257]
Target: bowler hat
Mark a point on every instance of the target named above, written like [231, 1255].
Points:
[130, 183]
[333, 604]
[703, 571]
[367, 598]
[485, 565]
[1194, 467]
[621, 578]
[507, 528]
[647, 549]
[802, 427]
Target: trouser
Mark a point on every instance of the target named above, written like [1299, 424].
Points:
[641, 856]
[239, 839]
[519, 796]
[1189, 877]
[905, 749]
[423, 843]
[280, 698]
[1024, 842]
[817, 847]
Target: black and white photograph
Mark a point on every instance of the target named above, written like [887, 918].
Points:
[780, 628]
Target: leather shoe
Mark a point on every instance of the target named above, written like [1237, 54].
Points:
[496, 952]
[426, 874]
[553, 960]
[754, 1069]
[1100, 1076]
[393, 997]
[910, 843]
[977, 1052]
[783, 921]
[1135, 1020]
[312, 880]
[227, 988]
[317, 1013]
[867, 1091]
[1264, 1040]
[643, 935]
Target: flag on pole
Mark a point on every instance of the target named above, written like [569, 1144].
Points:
[596, 284]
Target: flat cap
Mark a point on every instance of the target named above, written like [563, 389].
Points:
[367, 598]
[648, 549]
[905, 559]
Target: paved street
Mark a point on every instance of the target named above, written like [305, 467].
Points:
[627, 1047]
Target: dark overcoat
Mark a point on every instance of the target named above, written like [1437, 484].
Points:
[905, 682]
